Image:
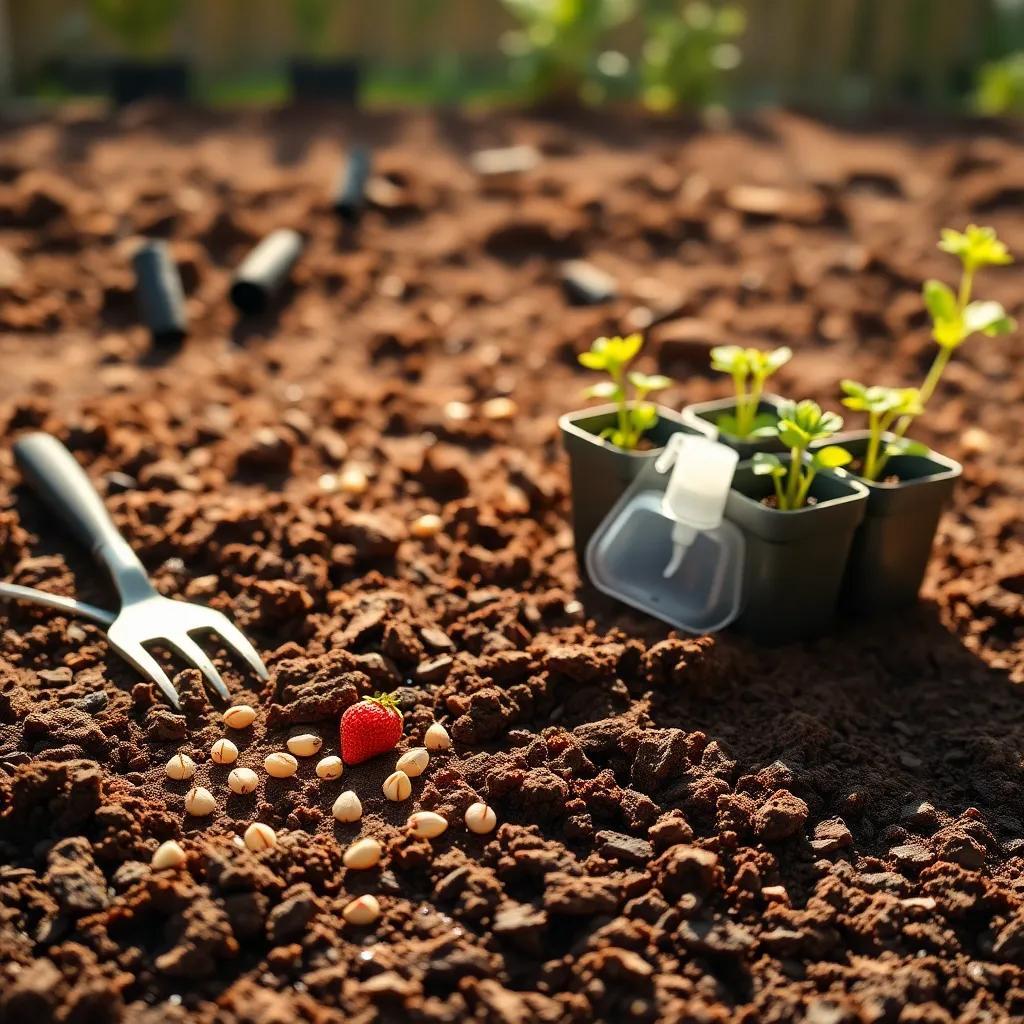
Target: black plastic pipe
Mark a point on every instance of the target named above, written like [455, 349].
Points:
[161, 297]
[350, 195]
[265, 270]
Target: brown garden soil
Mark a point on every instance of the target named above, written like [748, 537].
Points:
[690, 829]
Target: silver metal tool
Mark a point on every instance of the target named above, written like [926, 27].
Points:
[145, 617]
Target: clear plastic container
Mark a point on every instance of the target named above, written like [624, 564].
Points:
[665, 549]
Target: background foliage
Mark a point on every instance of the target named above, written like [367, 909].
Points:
[839, 55]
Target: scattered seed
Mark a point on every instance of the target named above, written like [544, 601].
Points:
[259, 837]
[427, 824]
[305, 745]
[327, 482]
[976, 440]
[330, 767]
[199, 802]
[241, 716]
[437, 738]
[362, 854]
[480, 819]
[280, 765]
[426, 526]
[353, 481]
[243, 780]
[507, 161]
[347, 807]
[181, 766]
[499, 409]
[224, 752]
[168, 855]
[362, 910]
[413, 762]
[457, 411]
[397, 787]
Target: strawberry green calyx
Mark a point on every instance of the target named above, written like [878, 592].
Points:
[388, 701]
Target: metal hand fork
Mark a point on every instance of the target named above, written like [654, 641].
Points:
[145, 617]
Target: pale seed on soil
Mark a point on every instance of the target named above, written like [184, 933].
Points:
[353, 481]
[181, 766]
[241, 716]
[363, 854]
[305, 745]
[426, 526]
[480, 819]
[224, 752]
[457, 411]
[437, 738]
[976, 440]
[499, 409]
[243, 780]
[362, 910]
[427, 824]
[413, 762]
[397, 787]
[199, 802]
[347, 807]
[168, 855]
[280, 765]
[330, 767]
[260, 837]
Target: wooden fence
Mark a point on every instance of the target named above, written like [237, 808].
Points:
[831, 53]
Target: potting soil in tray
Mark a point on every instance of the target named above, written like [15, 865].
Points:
[688, 828]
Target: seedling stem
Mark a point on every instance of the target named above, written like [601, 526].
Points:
[749, 369]
[634, 416]
[798, 425]
[955, 317]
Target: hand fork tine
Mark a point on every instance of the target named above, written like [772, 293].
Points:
[145, 617]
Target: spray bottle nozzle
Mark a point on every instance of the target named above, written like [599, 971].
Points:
[697, 490]
[682, 537]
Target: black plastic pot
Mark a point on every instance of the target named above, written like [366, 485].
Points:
[132, 80]
[794, 561]
[892, 546]
[709, 412]
[600, 471]
[336, 80]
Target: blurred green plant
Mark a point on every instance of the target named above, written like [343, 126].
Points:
[312, 19]
[1000, 86]
[559, 54]
[142, 25]
[688, 55]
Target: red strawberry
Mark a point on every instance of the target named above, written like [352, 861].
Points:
[373, 726]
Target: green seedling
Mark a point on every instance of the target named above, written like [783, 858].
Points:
[955, 318]
[800, 424]
[884, 406]
[627, 388]
[749, 369]
[142, 26]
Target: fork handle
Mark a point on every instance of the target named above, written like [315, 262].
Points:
[61, 482]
